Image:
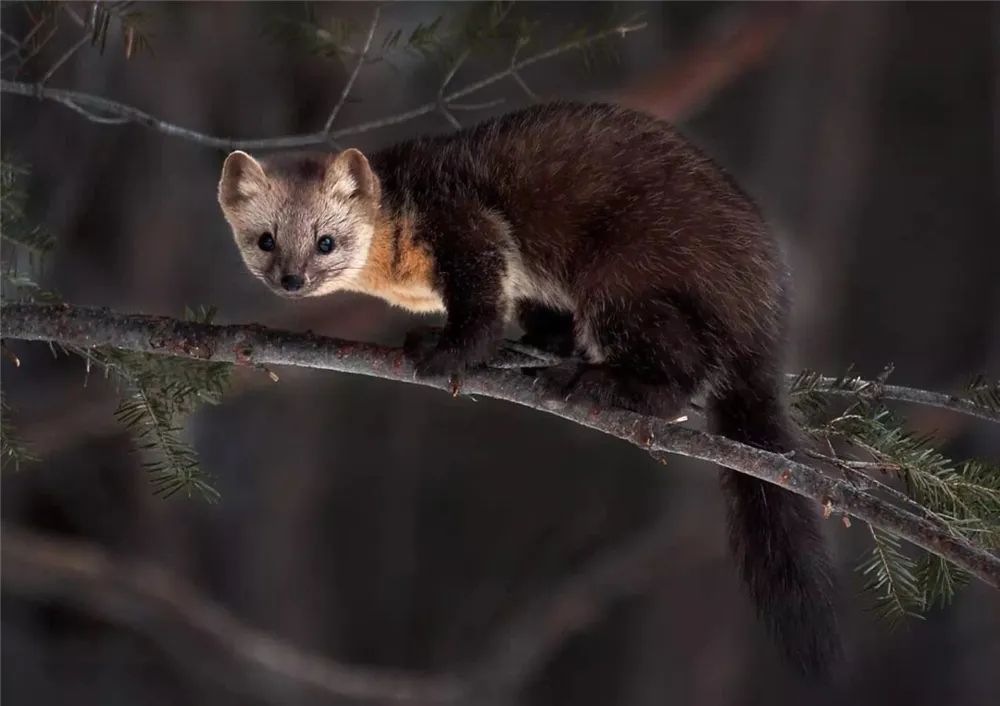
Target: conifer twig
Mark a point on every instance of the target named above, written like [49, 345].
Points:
[856, 475]
[103, 110]
[354, 74]
[255, 345]
[882, 391]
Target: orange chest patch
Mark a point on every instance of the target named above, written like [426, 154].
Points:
[400, 270]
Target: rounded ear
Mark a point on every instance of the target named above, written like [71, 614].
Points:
[351, 163]
[242, 178]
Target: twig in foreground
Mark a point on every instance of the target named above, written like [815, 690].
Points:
[254, 345]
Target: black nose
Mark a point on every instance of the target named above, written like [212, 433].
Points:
[292, 283]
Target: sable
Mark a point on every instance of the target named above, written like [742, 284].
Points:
[605, 233]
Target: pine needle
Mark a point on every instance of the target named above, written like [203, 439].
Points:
[13, 451]
[159, 392]
[131, 24]
[891, 578]
[963, 497]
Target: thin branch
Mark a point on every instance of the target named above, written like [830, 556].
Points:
[354, 74]
[456, 65]
[11, 38]
[33, 52]
[442, 103]
[874, 389]
[87, 26]
[855, 471]
[80, 102]
[531, 95]
[63, 59]
[254, 345]
[477, 106]
[32, 32]
[93, 117]
[447, 115]
[10, 53]
[80, 22]
[197, 632]
[514, 68]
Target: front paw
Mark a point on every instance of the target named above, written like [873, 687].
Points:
[439, 363]
[420, 343]
[583, 383]
[429, 358]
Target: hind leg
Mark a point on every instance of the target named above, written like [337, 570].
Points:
[547, 329]
[648, 356]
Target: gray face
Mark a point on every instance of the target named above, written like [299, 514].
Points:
[300, 236]
[309, 247]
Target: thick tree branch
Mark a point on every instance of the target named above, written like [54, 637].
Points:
[198, 633]
[104, 110]
[211, 642]
[255, 345]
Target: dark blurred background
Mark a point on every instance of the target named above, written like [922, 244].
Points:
[385, 524]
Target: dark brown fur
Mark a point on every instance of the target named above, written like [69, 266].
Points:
[607, 232]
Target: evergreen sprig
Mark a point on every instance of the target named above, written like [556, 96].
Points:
[938, 580]
[13, 451]
[984, 392]
[891, 576]
[14, 227]
[333, 38]
[962, 497]
[158, 392]
[25, 246]
[100, 21]
[484, 28]
[330, 40]
[131, 23]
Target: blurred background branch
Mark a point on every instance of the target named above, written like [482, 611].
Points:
[207, 640]
[202, 636]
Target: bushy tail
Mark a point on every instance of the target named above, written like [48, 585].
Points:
[775, 535]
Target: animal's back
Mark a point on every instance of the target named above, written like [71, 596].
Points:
[603, 197]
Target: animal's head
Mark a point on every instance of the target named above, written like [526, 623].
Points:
[303, 222]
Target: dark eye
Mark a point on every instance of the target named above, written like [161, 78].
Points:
[325, 244]
[266, 242]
